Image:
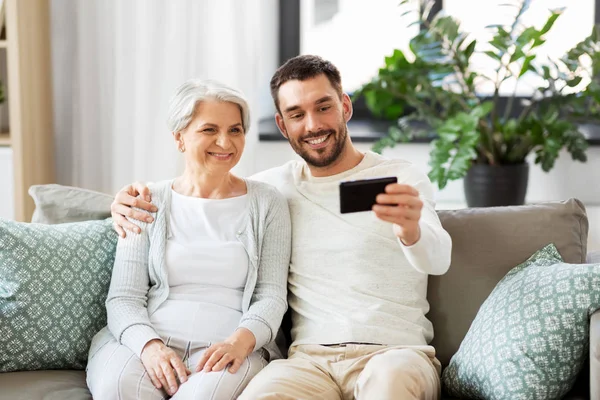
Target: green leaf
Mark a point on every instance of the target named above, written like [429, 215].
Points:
[526, 65]
[551, 20]
[493, 55]
[394, 111]
[574, 82]
[470, 49]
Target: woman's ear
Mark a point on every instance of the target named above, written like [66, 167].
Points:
[179, 141]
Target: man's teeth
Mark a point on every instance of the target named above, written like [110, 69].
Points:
[317, 141]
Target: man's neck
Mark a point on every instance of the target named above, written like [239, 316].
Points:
[349, 159]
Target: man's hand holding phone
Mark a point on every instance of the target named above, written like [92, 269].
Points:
[401, 205]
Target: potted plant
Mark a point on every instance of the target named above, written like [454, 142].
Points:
[431, 90]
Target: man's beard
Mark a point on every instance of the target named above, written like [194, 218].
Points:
[333, 152]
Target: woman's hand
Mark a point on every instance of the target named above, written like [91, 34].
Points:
[233, 350]
[160, 361]
[135, 195]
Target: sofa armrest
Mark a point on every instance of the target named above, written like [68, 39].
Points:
[595, 356]
[593, 257]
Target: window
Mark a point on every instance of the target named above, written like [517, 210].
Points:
[356, 35]
[574, 24]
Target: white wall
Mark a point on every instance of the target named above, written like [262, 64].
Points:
[7, 196]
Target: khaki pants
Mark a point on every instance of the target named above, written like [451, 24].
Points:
[349, 371]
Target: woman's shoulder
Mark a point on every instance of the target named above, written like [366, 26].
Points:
[263, 190]
[266, 196]
[159, 190]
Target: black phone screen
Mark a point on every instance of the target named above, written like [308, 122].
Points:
[360, 195]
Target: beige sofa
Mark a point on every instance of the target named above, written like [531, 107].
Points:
[487, 243]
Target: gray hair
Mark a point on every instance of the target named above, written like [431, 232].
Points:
[191, 93]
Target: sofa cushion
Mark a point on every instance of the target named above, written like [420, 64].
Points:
[44, 385]
[57, 204]
[53, 284]
[530, 337]
[486, 244]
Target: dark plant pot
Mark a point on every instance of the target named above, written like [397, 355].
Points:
[490, 186]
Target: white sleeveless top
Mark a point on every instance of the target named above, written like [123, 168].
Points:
[207, 268]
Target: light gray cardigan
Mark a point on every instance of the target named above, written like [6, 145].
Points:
[140, 284]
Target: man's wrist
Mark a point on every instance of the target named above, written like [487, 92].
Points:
[412, 239]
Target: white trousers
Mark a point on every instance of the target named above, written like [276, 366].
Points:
[115, 373]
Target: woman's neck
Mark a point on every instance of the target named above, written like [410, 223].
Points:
[209, 185]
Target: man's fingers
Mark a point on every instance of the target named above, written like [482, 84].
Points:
[222, 363]
[120, 231]
[142, 190]
[235, 366]
[400, 199]
[397, 212]
[401, 188]
[125, 223]
[120, 209]
[179, 369]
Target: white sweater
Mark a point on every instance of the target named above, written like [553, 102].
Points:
[351, 279]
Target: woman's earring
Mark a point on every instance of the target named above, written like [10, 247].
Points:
[181, 147]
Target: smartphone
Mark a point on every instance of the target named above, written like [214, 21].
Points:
[360, 195]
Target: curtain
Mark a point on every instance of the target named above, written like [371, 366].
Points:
[117, 63]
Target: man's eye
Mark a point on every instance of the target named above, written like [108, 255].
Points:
[296, 116]
[325, 108]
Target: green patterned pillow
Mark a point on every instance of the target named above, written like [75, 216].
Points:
[529, 339]
[53, 284]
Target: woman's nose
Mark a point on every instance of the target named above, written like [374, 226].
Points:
[223, 140]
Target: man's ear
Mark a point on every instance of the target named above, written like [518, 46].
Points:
[281, 125]
[347, 107]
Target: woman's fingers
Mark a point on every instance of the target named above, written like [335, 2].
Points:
[223, 362]
[169, 375]
[161, 378]
[154, 378]
[216, 356]
[204, 359]
[235, 365]
[180, 369]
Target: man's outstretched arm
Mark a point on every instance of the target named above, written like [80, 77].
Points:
[134, 195]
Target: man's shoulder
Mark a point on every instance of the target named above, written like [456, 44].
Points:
[277, 176]
[398, 165]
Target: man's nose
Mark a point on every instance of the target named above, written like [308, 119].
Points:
[313, 123]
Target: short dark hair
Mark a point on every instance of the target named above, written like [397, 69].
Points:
[304, 67]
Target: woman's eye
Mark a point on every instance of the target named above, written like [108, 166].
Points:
[236, 130]
[209, 130]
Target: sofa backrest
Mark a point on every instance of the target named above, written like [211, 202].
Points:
[486, 244]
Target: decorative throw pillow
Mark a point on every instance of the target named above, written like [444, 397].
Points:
[53, 284]
[57, 204]
[529, 339]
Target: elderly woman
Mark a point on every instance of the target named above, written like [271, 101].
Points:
[196, 299]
